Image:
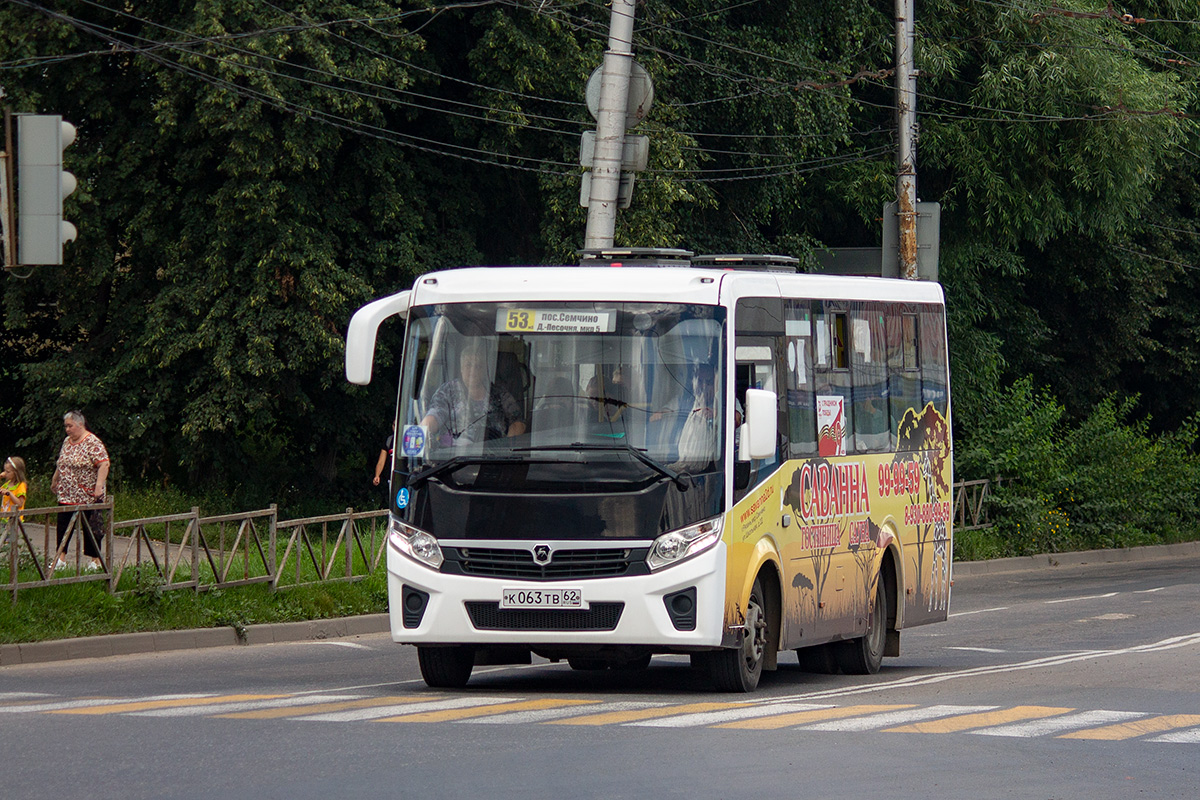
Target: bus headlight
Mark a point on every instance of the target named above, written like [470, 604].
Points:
[416, 544]
[676, 546]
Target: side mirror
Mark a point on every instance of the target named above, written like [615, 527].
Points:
[364, 325]
[760, 430]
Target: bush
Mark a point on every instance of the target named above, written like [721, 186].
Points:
[1102, 483]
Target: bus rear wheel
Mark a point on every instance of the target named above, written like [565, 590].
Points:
[864, 655]
[738, 669]
[446, 667]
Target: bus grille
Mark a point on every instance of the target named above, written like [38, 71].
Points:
[494, 562]
[490, 617]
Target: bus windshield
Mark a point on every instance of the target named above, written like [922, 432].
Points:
[550, 385]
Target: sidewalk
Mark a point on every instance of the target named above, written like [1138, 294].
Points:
[317, 630]
[122, 644]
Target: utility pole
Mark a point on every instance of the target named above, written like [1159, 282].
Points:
[906, 156]
[610, 128]
[8, 214]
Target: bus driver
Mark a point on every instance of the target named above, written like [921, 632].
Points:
[472, 408]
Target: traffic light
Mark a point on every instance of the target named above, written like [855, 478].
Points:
[41, 186]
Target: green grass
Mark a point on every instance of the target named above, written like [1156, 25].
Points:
[87, 609]
[142, 603]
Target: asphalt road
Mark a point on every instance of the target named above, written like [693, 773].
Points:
[1073, 682]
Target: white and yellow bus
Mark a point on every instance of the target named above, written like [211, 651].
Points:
[601, 464]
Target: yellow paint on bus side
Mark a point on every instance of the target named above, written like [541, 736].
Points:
[805, 717]
[983, 719]
[1141, 727]
[452, 714]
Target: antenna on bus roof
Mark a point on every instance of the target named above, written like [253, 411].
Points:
[633, 257]
[762, 263]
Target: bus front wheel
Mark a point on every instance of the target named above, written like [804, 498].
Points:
[738, 669]
[446, 667]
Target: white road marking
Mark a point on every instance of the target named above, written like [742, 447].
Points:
[890, 719]
[1149, 591]
[979, 649]
[106, 701]
[1077, 599]
[244, 705]
[980, 611]
[1060, 724]
[22, 695]
[727, 715]
[1189, 640]
[353, 645]
[1189, 736]
[398, 709]
[547, 714]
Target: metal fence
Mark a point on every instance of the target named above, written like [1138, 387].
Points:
[971, 507]
[188, 551]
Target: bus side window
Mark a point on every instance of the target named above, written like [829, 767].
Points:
[932, 353]
[759, 353]
[904, 373]
[800, 398]
[833, 384]
[869, 371]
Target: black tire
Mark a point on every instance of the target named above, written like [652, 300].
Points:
[585, 664]
[738, 669]
[863, 656]
[446, 667]
[820, 659]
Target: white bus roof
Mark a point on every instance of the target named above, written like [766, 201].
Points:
[654, 284]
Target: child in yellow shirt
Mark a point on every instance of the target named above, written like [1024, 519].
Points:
[12, 491]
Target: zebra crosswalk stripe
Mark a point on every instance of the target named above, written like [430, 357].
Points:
[378, 712]
[728, 715]
[983, 719]
[806, 717]
[225, 708]
[324, 708]
[1055, 725]
[617, 717]
[1141, 727]
[146, 705]
[548, 714]
[31, 708]
[455, 714]
[1180, 737]
[888, 719]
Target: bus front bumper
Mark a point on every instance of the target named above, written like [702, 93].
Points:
[643, 620]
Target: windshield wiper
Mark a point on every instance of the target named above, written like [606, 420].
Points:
[681, 479]
[417, 479]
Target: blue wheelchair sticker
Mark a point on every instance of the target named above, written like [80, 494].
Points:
[402, 498]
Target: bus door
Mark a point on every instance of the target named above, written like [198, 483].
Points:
[829, 592]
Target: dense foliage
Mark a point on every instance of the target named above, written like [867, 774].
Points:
[250, 173]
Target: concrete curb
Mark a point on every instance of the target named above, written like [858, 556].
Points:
[1052, 560]
[121, 644]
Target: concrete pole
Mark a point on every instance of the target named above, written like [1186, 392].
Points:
[906, 156]
[610, 128]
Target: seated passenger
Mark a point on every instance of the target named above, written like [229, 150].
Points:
[698, 442]
[472, 408]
